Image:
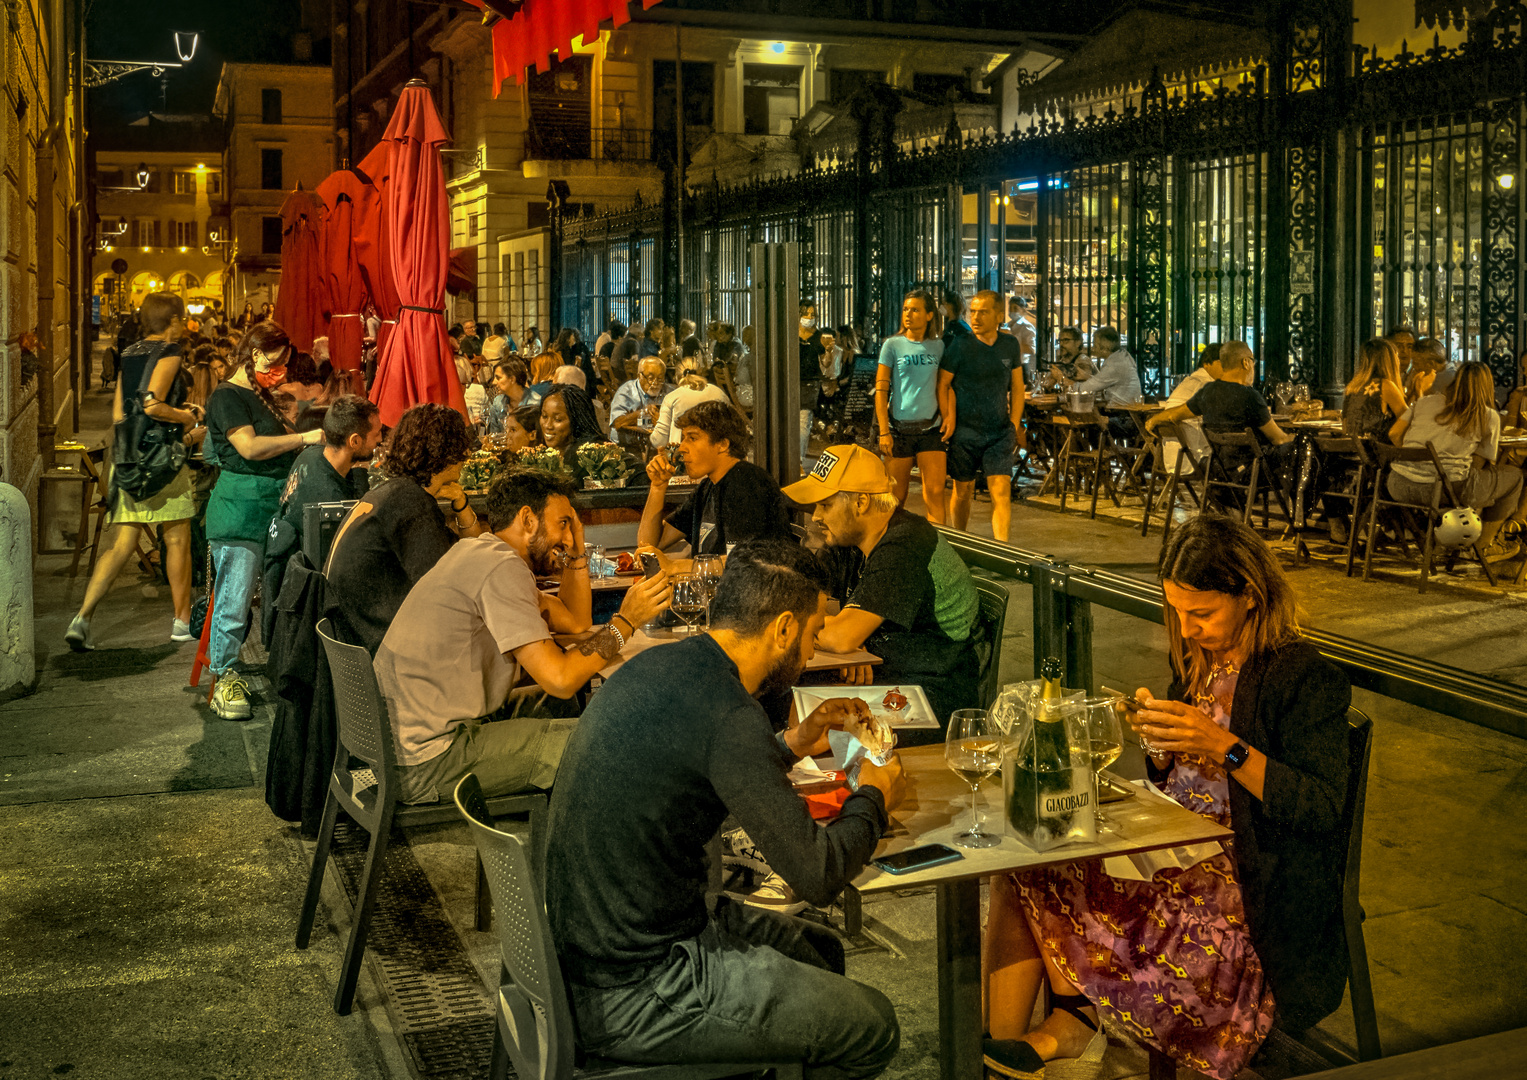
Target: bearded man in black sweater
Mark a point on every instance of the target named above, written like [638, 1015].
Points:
[671, 745]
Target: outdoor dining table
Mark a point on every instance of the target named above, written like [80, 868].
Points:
[643, 640]
[935, 809]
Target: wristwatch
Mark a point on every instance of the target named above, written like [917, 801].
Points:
[1236, 756]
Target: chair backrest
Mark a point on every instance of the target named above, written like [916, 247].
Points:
[533, 997]
[359, 710]
[991, 625]
[1172, 429]
[1360, 736]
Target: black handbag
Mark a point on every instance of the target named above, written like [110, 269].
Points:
[146, 454]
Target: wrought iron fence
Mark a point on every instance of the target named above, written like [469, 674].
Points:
[1326, 198]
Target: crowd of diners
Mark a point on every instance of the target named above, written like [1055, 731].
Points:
[481, 627]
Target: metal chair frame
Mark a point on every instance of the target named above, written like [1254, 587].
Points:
[533, 1028]
[1443, 497]
[370, 796]
[1198, 473]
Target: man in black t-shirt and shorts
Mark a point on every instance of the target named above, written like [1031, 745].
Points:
[981, 396]
[1229, 404]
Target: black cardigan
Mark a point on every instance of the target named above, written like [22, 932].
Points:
[1291, 704]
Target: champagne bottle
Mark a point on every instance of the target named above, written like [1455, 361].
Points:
[1045, 790]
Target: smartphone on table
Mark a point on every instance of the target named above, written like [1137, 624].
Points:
[917, 858]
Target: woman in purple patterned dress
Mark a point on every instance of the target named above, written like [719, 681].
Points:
[1198, 962]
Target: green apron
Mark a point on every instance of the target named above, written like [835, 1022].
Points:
[242, 506]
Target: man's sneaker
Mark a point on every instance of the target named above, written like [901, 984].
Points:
[775, 895]
[738, 850]
[78, 634]
[231, 698]
[1500, 550]
[180, 630]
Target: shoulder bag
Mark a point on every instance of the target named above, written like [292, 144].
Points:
[146, 454]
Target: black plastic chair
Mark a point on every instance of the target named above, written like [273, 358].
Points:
[370, 796]
[534, 1020]
[1364, 1015]
[991, 624]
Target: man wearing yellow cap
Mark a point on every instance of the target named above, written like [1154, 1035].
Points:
[905, 595]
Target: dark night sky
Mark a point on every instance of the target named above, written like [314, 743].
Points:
[230, 30]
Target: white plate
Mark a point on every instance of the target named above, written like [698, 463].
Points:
[917, 714]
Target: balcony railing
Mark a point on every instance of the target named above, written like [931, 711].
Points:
[579, 143]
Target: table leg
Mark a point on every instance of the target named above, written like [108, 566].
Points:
[959, 979]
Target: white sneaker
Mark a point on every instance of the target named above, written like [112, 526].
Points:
[78, 635]
[180, 630]
[231, 698]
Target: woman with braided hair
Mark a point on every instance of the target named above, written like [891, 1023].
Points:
[568, 421]
[248, 437]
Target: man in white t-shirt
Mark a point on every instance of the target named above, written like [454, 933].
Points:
[473, 624]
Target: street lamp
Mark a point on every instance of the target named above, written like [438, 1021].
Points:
[101, 72]
[143, 177]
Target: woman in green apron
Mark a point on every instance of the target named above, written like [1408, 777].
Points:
[249, 439]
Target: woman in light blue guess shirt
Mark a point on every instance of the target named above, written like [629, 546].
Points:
[906, 403]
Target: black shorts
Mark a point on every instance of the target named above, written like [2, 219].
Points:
[909, 446]
[970, 459]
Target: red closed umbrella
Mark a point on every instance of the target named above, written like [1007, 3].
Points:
[371, 242]
[342, 193]
[301, 301]
[417, 363]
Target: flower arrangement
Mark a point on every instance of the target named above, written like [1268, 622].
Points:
[540, 457]
[604, 465]
[480, 469]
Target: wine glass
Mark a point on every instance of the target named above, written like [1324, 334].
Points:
[1107, 735]
[973, 749]
[689, 599]
[708, 569]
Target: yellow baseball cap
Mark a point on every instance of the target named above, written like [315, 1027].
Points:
[841, 468]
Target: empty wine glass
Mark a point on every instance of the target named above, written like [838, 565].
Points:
[708, 569]
[689, 600]
[1107, 735]
[973, 749]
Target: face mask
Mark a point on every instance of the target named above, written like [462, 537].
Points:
[272, 378]
[808, 324]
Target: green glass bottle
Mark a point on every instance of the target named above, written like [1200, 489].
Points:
[1045, 790]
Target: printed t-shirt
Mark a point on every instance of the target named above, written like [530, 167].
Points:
[914, 376]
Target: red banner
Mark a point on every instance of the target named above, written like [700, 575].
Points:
[543, 27]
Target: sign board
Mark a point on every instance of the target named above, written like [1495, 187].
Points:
[859, 403]
[95, 309]
[119, 266]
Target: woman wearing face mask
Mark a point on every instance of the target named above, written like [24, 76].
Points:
[248, 437]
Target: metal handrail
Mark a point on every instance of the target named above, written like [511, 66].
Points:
[1062, 620]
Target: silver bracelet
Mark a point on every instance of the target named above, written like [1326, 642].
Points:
[620, 639]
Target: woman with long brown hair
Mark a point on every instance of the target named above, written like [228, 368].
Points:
[1462, 426]
[1198, 962]
[907, 415]
[250, 440]
[1376, 395]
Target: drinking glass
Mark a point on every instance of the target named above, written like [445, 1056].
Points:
[689, 600]
[1107, 735]
[595, 554]
[708, 569]
[973, 749]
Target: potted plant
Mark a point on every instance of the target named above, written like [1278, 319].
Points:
[604, 465]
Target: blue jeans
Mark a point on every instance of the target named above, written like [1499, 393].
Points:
[236, 564]
[753, 987]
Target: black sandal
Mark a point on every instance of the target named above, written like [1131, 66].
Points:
[1012, 1058]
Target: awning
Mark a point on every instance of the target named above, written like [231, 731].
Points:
[543, 27]
[461, 272]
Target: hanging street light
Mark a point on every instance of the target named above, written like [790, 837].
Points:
[100, 72]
